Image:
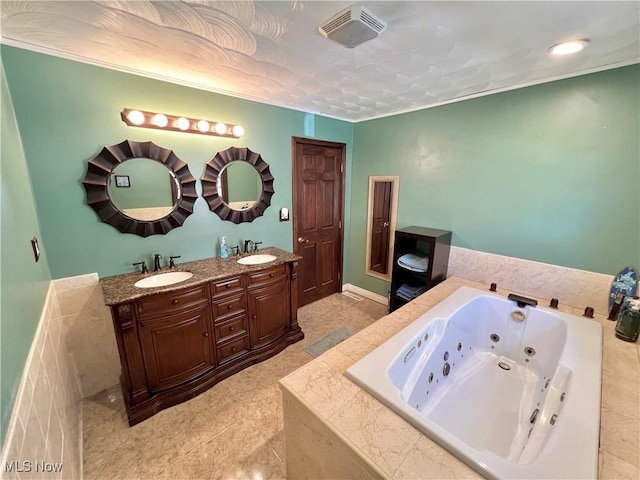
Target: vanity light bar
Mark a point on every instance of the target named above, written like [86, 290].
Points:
[163, 121]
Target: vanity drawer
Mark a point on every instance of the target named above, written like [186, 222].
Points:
[267, 275]
[232, 349]
[168, 303]
[231, 328]
[228, 306]
[226, 286]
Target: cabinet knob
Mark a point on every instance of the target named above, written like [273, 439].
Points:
[253, 316]
[228, 285]
[229, 307]
[271, 274]
[233, 349]
[206, 334]
[174, 301]
[302, 240]
[231, 329]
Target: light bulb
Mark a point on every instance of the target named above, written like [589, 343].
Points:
[182, 123]
[221, 128]
[567, 48]
[136, 117]
[160, 120]
[238, 131]
[203, 126]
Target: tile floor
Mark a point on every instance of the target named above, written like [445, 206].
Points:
[232, 431]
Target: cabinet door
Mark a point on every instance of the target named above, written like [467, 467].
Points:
[177, 348]
[269, 311]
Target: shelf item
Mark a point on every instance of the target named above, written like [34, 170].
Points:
[421, 257]
[408, 292]
[413, 262]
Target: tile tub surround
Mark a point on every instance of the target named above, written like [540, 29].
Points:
[577, 288]
[46, 422]
[328, 417]
[120, 288]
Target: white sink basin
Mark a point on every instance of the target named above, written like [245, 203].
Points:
[256, 259]
[163, 279]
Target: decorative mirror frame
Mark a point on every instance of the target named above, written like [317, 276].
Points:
[210, 178]
[97, 179]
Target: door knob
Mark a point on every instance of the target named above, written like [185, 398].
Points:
[302, 240]
[385, 224]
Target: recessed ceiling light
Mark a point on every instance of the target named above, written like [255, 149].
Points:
[567, 48]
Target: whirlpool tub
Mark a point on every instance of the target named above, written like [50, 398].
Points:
[511, 389]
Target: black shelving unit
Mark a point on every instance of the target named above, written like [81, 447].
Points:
[426, 242]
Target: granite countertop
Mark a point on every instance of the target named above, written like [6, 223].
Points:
[396, 450]
[120, 289]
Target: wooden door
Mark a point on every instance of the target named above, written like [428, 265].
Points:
[380, 231]
[318, 202]
[176, 348]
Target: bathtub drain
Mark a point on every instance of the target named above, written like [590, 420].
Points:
[504, 366]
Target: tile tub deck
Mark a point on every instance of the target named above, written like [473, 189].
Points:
[334, 429]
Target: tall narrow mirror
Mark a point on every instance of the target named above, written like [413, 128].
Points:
[381, 223]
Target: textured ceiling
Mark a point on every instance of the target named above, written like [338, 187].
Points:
[272, 52]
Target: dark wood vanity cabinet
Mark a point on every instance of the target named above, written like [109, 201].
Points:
[178, 344]
[268, 308]
[176, 348]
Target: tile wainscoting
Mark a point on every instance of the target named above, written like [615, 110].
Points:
[572, 287]
[73, 356]
[44, 438]
[91, 341]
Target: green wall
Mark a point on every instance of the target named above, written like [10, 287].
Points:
[67, 111]
[549, 173]
[149, 184]
[23, 282]
[244, 182]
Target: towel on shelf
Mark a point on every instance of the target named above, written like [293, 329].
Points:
[413, 262]
[407, 292]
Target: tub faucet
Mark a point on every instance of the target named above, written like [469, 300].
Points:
[156, 262]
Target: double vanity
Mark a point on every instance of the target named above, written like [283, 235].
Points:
[178, 340]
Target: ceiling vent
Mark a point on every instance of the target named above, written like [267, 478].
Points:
[353, 26]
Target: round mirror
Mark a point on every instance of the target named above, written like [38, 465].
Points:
[143, 189]
[239, 185]
[140, 188]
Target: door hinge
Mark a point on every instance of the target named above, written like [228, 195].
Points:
[340, 224]
[339, 276]
[341, 167]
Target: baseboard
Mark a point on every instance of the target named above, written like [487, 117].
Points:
[365, 293]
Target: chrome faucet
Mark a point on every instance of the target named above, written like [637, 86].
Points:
[156, 262]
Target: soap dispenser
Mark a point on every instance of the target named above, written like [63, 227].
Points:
[224, 248]
[628, 325]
